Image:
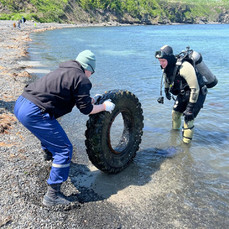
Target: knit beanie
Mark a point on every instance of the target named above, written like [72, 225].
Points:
[87, 59]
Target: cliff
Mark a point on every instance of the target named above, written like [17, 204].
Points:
[117, 11]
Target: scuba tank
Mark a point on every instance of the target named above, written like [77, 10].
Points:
[209, 79]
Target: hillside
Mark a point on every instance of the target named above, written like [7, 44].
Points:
[121, 11]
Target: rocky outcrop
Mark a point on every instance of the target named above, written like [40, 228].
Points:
[187, 14]
[223, 17]
[169, 12]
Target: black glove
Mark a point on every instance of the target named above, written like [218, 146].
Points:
[167, 94]
[160, 100]
[188, 113]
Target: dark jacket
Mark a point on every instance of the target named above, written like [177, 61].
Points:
[58, 91]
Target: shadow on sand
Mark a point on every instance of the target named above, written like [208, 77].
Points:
[96, 185]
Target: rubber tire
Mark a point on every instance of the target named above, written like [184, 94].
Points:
[98, 145]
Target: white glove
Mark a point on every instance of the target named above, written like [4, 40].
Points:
[109, 106]
[96, 97]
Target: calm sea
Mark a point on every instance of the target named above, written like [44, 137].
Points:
[125, 60]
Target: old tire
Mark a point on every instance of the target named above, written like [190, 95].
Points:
[100, 151]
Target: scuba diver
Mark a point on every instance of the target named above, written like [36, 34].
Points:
[182, 80]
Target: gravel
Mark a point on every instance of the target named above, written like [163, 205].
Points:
[23, 171]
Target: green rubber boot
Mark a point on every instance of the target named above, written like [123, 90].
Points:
[176, 120]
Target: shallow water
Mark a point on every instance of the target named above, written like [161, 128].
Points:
[194, 178]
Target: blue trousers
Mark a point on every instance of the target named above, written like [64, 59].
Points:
[52, 136]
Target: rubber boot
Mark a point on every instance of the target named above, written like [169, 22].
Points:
[47, 155]
[176, 120]
[54, 197]
[188, 131]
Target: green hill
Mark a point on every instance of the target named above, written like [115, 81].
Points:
[122, 11]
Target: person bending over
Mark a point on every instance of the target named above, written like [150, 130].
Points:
[49, 98]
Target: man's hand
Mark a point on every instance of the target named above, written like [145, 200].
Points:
[188, 113]
[167, 94]
[109, 106]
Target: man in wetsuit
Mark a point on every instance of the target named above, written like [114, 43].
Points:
[49, 98]
[185, 83]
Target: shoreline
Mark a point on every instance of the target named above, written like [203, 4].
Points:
[13, 74]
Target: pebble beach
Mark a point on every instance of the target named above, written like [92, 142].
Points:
[23, 171]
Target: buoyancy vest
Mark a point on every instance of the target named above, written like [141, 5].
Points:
[180, 85]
